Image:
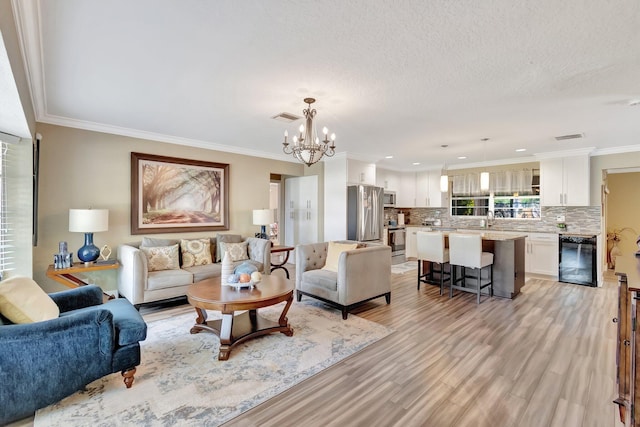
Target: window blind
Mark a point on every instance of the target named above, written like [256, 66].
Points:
[7, 229]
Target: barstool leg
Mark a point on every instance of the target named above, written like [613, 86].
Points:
[441, 278]
[479, 283]
[491, 286]
[419, 273]
[453, 279]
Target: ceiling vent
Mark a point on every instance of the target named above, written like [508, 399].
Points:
[574, 136]
[286, 117]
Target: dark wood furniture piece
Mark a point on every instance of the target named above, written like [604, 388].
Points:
[234, 329]
[280, 249]
[627, 355]
[67, 276]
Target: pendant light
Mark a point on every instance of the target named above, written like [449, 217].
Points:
[484, 176]
[444, 180]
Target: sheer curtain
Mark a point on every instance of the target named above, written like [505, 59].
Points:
[504, 182]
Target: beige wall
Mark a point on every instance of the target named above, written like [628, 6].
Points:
[82, 169]
[623, 205]
[604, 163]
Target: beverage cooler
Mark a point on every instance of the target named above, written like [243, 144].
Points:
[578, 259]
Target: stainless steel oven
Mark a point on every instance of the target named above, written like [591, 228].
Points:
[396, 238]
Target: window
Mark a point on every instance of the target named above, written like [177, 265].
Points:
[508, 202]
[6, 232]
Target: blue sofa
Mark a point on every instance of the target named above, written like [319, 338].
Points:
[43, 362]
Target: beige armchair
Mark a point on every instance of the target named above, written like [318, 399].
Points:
[363, 274]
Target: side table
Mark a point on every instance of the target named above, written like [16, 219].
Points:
[286, 250]
[66, 276]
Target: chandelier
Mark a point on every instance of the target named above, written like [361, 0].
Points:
[306, 146]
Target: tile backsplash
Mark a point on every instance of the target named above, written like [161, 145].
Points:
[579, 219]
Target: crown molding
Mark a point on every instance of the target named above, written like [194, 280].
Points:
[27, 20]
[615, 150]
[565, 153]
[158, 137]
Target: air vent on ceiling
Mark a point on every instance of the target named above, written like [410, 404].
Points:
[286, 117]
[574, 136]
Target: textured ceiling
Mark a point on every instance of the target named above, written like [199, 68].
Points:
[394, 78]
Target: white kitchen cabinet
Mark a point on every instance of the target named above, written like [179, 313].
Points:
[387, 179]
[541, 254]
[359, 172]
[406, 193]
[564, 181]
[428, 193]
[301, 210]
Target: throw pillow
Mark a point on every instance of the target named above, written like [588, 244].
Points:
[226, 238]
[237, 251]
[195, 252]
[23, 301]
[162, 257]
[333, 254]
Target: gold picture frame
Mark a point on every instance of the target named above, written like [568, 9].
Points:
[170, 195]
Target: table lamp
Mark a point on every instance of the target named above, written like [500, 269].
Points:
[262, 217]
[88, 221]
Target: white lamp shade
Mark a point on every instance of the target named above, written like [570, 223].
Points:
[484, 181]
[262, 216]
[444, 183]
[88, 220]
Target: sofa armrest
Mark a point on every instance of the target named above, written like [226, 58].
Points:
[311, 256]
[260, 251]
[132, 273]
[43, 362]
[73, 299]
[364, 273]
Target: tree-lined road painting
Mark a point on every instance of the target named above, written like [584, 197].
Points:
[174, 194]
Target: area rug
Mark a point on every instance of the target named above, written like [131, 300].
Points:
[404, 267]
[181, 381]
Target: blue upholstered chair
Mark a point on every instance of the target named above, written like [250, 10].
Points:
[43, 362]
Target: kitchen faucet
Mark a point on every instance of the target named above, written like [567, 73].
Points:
[490, 218]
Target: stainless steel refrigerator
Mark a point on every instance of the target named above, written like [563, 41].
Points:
[365, 212]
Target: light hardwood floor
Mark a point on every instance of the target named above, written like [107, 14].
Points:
[546, 358]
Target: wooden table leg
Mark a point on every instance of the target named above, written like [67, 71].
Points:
[283, 321]
[226, 338]
[200, 320]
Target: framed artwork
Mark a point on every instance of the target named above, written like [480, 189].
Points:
[170, 195]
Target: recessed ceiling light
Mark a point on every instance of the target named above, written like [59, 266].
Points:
[444, 145]
[416, 163]
[388, 157]
[520, 150]
[462, 157]
[634, 102]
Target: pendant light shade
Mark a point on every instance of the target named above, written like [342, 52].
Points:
[484, 181]
[444, 183]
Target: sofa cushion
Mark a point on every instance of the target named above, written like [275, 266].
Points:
[23, 301]
[333, 254]
[162, 257]
[168, 279]
[195, 252]
[321, 278]
[207, 271]
[237, 251]
[227, 238]
[150, 242]
[127, 322]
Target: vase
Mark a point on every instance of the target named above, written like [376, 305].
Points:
[227, 268]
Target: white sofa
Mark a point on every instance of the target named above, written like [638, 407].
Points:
[139, 285]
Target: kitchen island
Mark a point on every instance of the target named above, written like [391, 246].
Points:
[508, 251]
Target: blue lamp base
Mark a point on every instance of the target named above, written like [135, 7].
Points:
[89, 252]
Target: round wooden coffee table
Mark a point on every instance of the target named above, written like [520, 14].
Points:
[233, 329]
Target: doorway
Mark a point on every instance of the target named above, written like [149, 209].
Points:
[275, 192]
[621, 201]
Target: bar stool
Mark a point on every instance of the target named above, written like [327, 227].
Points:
[465, 251]
[431, 248]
